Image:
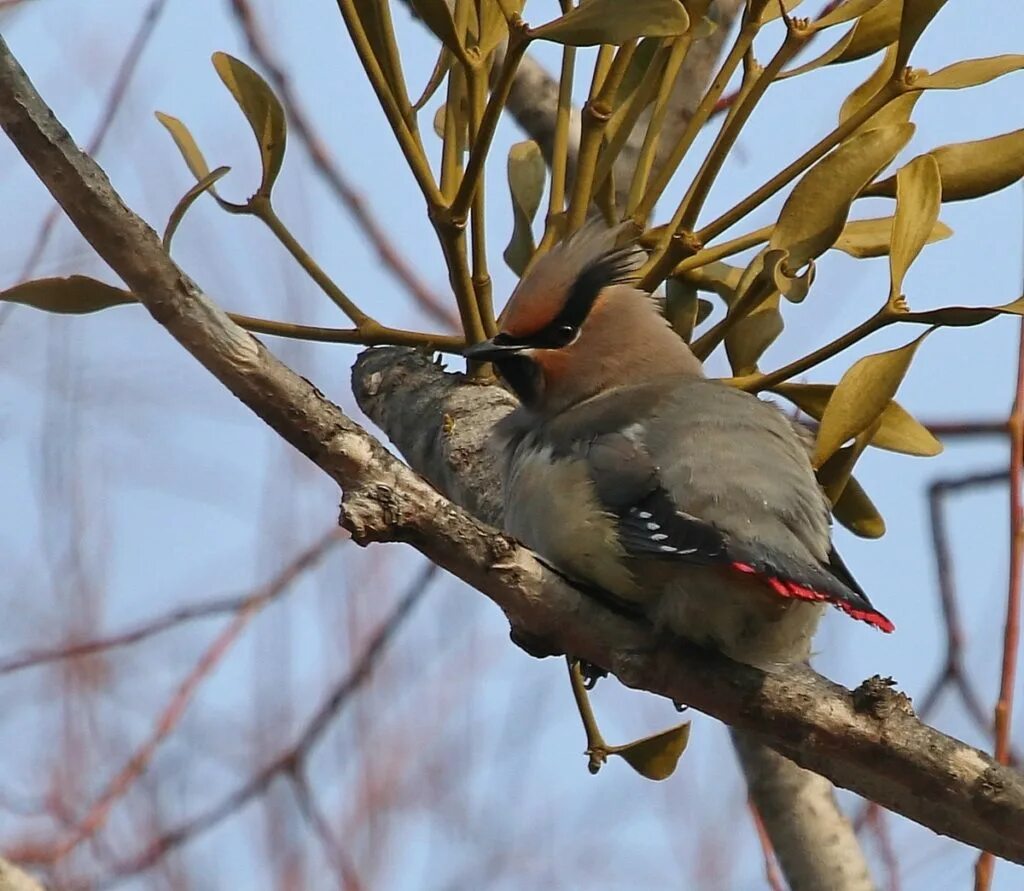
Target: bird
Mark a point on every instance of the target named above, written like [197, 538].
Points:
[626, 468]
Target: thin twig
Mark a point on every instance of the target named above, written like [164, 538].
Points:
[1011, 630]
[340, 863]
[118, 88]
[288, 761]
[178, 617]
[771, 868]
[303, 127]
[99, 811]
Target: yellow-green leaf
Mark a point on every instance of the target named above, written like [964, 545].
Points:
[918, 198]
[835, 473]
[752, 335]
[865, 91]
[861, 396]
[186, 145]
[438, 18]
[917, 15]
[494, 22]
[375, 17]
[826, 58]
[971, 169]
[683, 308]
[263, 111]
[74, 295]
[793, 287]
[873, 238]
[773, 10]
[874, 31]
[964, 316]
[970, 73]
[181, 208]
[614, 22]
[898, 430]
[718, 277]
[655, 757]
[855, 511]
[444, 62]
[526, 174]
[845, 12]
[815, 212]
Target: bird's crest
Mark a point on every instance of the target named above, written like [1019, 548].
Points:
[561, 287]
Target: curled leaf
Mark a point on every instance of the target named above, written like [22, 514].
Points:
[873, 238]
[614, 22]
[918, 198]
[816, 210]
[971, 169]
[793, 287]
[526, 174]
[855, 511]
[861, 396]
[262, 110]
[971, 73]
[187, 200]
[655, 757]
[898, 430]
[74, 295]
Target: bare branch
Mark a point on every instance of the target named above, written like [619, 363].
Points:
[866, 740]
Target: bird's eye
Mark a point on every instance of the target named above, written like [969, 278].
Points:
[565, 334]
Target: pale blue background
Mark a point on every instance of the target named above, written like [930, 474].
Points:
[132, 482]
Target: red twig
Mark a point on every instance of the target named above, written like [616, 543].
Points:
[1011, 631]
[174, 618]
[389, 255]
[876, 821]
[771, 869]
[99, 811]
[344, 870]
[289, 762]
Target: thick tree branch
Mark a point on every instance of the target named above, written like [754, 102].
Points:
[867, 740]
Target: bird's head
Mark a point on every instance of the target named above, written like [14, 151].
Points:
[577, 326]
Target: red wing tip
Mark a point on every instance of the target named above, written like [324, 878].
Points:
[873, 618]
[787, 588]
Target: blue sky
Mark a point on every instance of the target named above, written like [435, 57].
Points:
[130, 472]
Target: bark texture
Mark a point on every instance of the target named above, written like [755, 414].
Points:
[814, 842]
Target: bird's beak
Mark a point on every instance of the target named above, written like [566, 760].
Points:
[489, 351]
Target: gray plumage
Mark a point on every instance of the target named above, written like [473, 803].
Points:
[625, 468]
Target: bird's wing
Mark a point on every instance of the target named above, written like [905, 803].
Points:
[696, 495]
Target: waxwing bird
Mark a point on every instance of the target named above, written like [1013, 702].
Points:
[626, 468]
